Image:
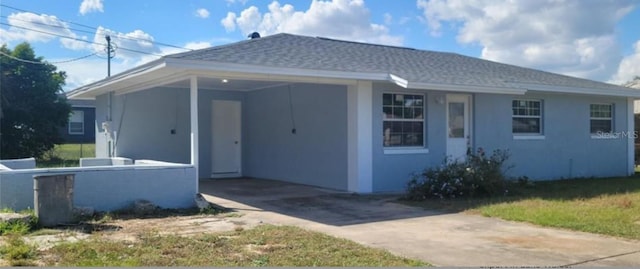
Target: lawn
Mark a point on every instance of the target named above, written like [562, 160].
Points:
[609, 206]
[265, 245]
[66, 155]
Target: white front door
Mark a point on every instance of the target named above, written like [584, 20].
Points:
[458, 126]
[226, 149]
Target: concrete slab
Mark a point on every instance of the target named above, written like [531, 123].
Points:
[441, 239]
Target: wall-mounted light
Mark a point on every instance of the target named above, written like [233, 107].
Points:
[224, 80]
[439, 99]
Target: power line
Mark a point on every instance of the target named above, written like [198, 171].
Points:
[81, 40]
[46, 62]
[86, 26]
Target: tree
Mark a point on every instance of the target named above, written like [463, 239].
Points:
[32, 110]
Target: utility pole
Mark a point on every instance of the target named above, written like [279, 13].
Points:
[107, 124]
[109, 50]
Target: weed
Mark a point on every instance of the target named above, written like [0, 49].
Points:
[17, 251]
[261, 261]
[279, 246]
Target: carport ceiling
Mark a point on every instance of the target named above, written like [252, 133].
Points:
[228, 84]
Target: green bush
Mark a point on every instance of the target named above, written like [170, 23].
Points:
[478, 175]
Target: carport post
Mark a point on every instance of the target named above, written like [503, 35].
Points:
[193, 101]
[360, 135]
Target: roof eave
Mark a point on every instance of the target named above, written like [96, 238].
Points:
[90, 91]
[453, 87]
[270, 72]
[618, 92]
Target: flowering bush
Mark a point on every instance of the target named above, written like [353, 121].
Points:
[477, 176]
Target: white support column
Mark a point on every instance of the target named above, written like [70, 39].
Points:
[631, 137]
[360, 135]
[193, 104]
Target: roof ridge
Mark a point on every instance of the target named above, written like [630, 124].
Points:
[180, 54]
[361, 43]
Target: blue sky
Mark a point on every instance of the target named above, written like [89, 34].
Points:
[594, 39]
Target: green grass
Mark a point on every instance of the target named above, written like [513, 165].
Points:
[66, 155]
[17, 252]
[609, 206]
[262, 246]
[18, 227]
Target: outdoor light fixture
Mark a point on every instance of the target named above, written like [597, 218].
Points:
[224, 80]
[439, 100]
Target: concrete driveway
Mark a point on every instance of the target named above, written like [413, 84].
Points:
[441, 239]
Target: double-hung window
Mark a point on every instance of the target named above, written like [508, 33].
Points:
[76, 122]
[403, 120]
[527, 117]
[601, 116]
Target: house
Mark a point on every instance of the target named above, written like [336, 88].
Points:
[635, 84]
[355, 116]
[81, 126]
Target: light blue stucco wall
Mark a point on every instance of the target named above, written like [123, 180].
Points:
[567, 150]
[108, 188]
[392, 171]
[316, 154]
[148, 119]
[101, 116]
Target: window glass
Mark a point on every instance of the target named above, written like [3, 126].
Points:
[527, 116]
[76, 122]
[403, 120]
[601, 117]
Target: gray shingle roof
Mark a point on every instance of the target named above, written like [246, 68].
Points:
[420, 66]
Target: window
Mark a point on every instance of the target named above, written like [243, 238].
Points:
[403, 123]
[601, 118]
[527, 116]
[76, 122]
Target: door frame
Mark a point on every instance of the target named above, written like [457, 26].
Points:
[239, 148]
[468, 98]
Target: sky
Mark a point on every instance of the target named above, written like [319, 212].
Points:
[593, 39]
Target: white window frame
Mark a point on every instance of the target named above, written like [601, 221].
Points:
[610, 118]
[73, 112]
[406, 149]
[533, 136]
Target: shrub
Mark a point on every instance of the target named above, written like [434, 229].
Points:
[477, 176]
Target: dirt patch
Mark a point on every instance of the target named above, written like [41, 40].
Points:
[541, 242]
[129, 228]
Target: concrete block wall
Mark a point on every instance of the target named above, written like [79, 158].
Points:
[108, 188]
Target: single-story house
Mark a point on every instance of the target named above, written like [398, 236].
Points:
[81, 126]
[357, 117]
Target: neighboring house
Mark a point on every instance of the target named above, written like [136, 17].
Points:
[357, 117]
[81, 126]
[635, 84]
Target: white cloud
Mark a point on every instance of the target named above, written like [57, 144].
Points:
[30, 27]
[229, 22]
[128, 46]
[629, 67]
[89, 70]
[197, 45]
[231, 2]
[572, 37]
[202, 13]
[88, 6]
[342, 19]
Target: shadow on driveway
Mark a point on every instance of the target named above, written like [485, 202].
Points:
[311, 203]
